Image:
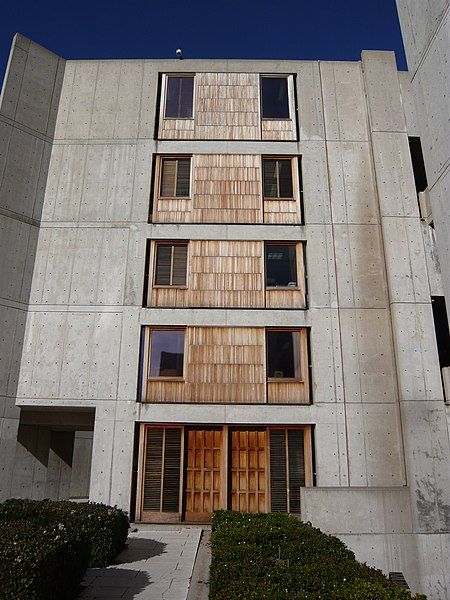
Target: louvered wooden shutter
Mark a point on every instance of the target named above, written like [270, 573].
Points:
[161, 489]
[179, 264]
[296, 454]
[168, 178]
[278, 475]
[163, 264]
[285, 179]
[183, 178]
[270, 178]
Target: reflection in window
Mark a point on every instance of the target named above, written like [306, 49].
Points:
[274, 98]
[166, 353]
[175, 177]
[281, 265]
[277, 178]
[180, 92]
[283, 355]
[171, 264]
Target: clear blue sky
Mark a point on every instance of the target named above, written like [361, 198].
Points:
[280, 29]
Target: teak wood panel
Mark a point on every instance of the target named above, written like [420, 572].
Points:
[221, 273]
[222, 365]
[278, 129]
[204, 471]
[249, 470]
[285, 212]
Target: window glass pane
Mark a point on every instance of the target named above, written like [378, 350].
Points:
[163, 262]
[285, 178]
[270, 178]
[180, 92]
[274, 92]
[183, 178]
[283, 354]
[166, 353]
[281, 266]
[168, 175]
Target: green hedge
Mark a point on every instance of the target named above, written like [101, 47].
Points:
[105, 527]
[277, 557]
[40, 562]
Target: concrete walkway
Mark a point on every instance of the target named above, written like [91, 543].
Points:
[157, 565]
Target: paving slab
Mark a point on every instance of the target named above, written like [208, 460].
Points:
[156, 565]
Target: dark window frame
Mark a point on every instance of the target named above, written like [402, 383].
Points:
[294, 178]
[150, 331]
[166, 86]
[172, 244]
[297, 270]
[288, 86]
[301, 378]
[173, 157]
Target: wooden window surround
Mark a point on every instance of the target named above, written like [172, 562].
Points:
[280, 347]
[280, 178]
[187, 472]
[276, 97]
[178, 100]
[174, 177]
[168, 344]
[283, 265]
[170, 264]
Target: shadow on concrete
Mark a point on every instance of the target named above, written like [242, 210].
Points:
[140, 549]
[113, 583]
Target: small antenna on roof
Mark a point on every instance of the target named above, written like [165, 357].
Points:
[179, 54]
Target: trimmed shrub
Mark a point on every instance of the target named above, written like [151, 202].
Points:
[277, 557]
[40, 562]
[105, 527]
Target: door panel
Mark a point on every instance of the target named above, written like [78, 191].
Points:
[248, 470]
[203, 473]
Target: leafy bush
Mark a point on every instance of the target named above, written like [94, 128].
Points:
[40, 562]
[277, 557]
[105, 527]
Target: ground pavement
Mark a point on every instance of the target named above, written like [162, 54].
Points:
[156, 565]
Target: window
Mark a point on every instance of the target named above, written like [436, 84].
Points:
[283, 354]
[281, 265]
[277, 178]
[166, 353]
[175, 178]
[171, 264]
[179, 96]
[274, 98]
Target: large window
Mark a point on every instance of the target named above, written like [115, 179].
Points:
[171, 264]
[166, 353]
[281, 265]
[274, 98]
[175, 177]
[179, 96]
[277, 178]
[284, 354]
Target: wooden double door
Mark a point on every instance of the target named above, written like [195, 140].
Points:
[189, 472]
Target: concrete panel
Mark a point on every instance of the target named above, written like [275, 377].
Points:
[8, 323]
[134, 280]
[81, 465]
[357, 510]
[439, 196]
[310, 104]
[102, 453]
[359, 266]
[14, 352]
[81, 101]
[8, 437]
[352, 185]
[367, 356]
[427, 457]
[105, 100]
[432, 259]
[14, 236]
[123, 463]
[344, 101]
[320, 260]
[63, 112]
[127, 111]
[405, 260]
[416, 352]
[129, 355]
[326, 359]
[383, 91]
[330, 445]
[409, 107]
[375, 448]
[315, 183]
[13, 80]
[148, 99]
[395, 179]
[142, 182]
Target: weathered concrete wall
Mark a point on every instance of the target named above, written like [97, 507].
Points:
[28, 107]
[426, 33]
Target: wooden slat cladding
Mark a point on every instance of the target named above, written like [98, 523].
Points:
[221, 274]
[227, 189]
[203, 473]
[248, 470]
[278, 130]
[223, 365]
[177, 129]
[288, 391]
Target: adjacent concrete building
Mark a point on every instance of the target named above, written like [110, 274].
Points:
[215, 292]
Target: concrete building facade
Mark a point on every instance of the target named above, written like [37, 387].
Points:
[154, 353]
